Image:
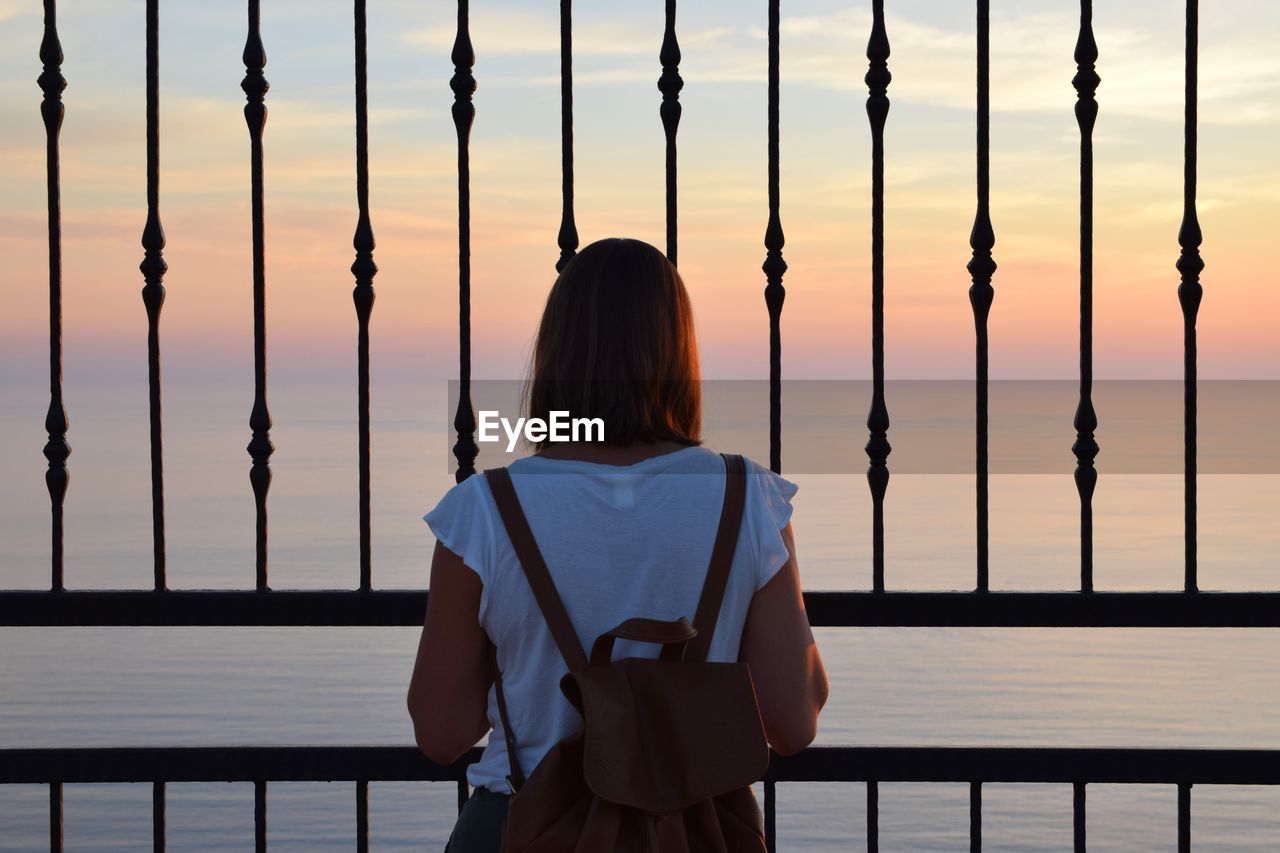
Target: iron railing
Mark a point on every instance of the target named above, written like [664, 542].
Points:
[870, 765]
[879, 607]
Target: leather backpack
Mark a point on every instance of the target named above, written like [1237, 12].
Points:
[669, 747]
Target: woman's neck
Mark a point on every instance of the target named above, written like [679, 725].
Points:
[609, 454]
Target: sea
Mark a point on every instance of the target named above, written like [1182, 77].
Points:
[82, 686]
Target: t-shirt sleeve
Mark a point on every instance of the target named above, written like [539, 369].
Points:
[465, 521]
[767, 512]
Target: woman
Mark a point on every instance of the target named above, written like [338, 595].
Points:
[626, 528]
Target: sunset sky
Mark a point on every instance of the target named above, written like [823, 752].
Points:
[311, 214]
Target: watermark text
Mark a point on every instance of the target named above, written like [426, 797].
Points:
[559, 427]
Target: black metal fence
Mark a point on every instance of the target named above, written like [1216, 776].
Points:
[869, 764]
[368, 606]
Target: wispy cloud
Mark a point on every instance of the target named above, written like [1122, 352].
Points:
[511, 31]
[1031, 68]
[1032, 65]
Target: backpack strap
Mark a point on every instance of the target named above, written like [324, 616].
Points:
[516, 778]
[544, 593]
[708, 612]
[535, 569]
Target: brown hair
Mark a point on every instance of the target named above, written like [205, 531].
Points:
[616, 342]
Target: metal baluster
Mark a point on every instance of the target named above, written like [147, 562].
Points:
[255, 88]
[463, 85]
[1086, 420]
[463, 793]
[1078, 817]
[982, 267]
[1184, 817]
[774, 266]
[670, 84]
[364, 269]
[260, 816]
[158, 809]
[567, 239]
[975, 817]
[56, 450]
[362, 810]
[1189, 294]
[153, 269]
[873, 817]
[878, 447]
[771, 815]
[55, 817]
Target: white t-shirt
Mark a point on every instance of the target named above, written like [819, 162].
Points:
[620, 542]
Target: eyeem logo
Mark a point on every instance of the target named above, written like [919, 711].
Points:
[560, 427]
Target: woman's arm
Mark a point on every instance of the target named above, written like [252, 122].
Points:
[451, 676]
[777, 643]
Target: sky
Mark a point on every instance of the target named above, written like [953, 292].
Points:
[515, 148]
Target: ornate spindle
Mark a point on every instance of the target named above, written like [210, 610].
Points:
[260, 447]
[567, 239]
[982, 267]
[1086, 421]
[364, 269]
[774, 266]
[878, 447]
[463, 85]
[1189, 294]
[56, 450]
[670, 84]
[153, 269]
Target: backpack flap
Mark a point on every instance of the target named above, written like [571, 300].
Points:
[661, 735]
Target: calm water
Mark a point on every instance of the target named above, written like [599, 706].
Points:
[87, 686]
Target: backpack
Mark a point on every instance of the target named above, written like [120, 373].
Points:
[669, 747]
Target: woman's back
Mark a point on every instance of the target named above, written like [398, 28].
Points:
[620, 541]
[626, 524]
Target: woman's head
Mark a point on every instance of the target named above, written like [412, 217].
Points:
[616, 342]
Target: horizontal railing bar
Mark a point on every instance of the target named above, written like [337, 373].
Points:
[226, 764]
[826, 609]
[1045, 609]
[1017, 764]
[998, 764]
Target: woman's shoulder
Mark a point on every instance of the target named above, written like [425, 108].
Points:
[755, 470]
[462, 516]
[764, 487]
[693, 459]
[473, 496]
[773, 491]
[465, 520]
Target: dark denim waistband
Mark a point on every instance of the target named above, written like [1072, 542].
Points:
[479, 826]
